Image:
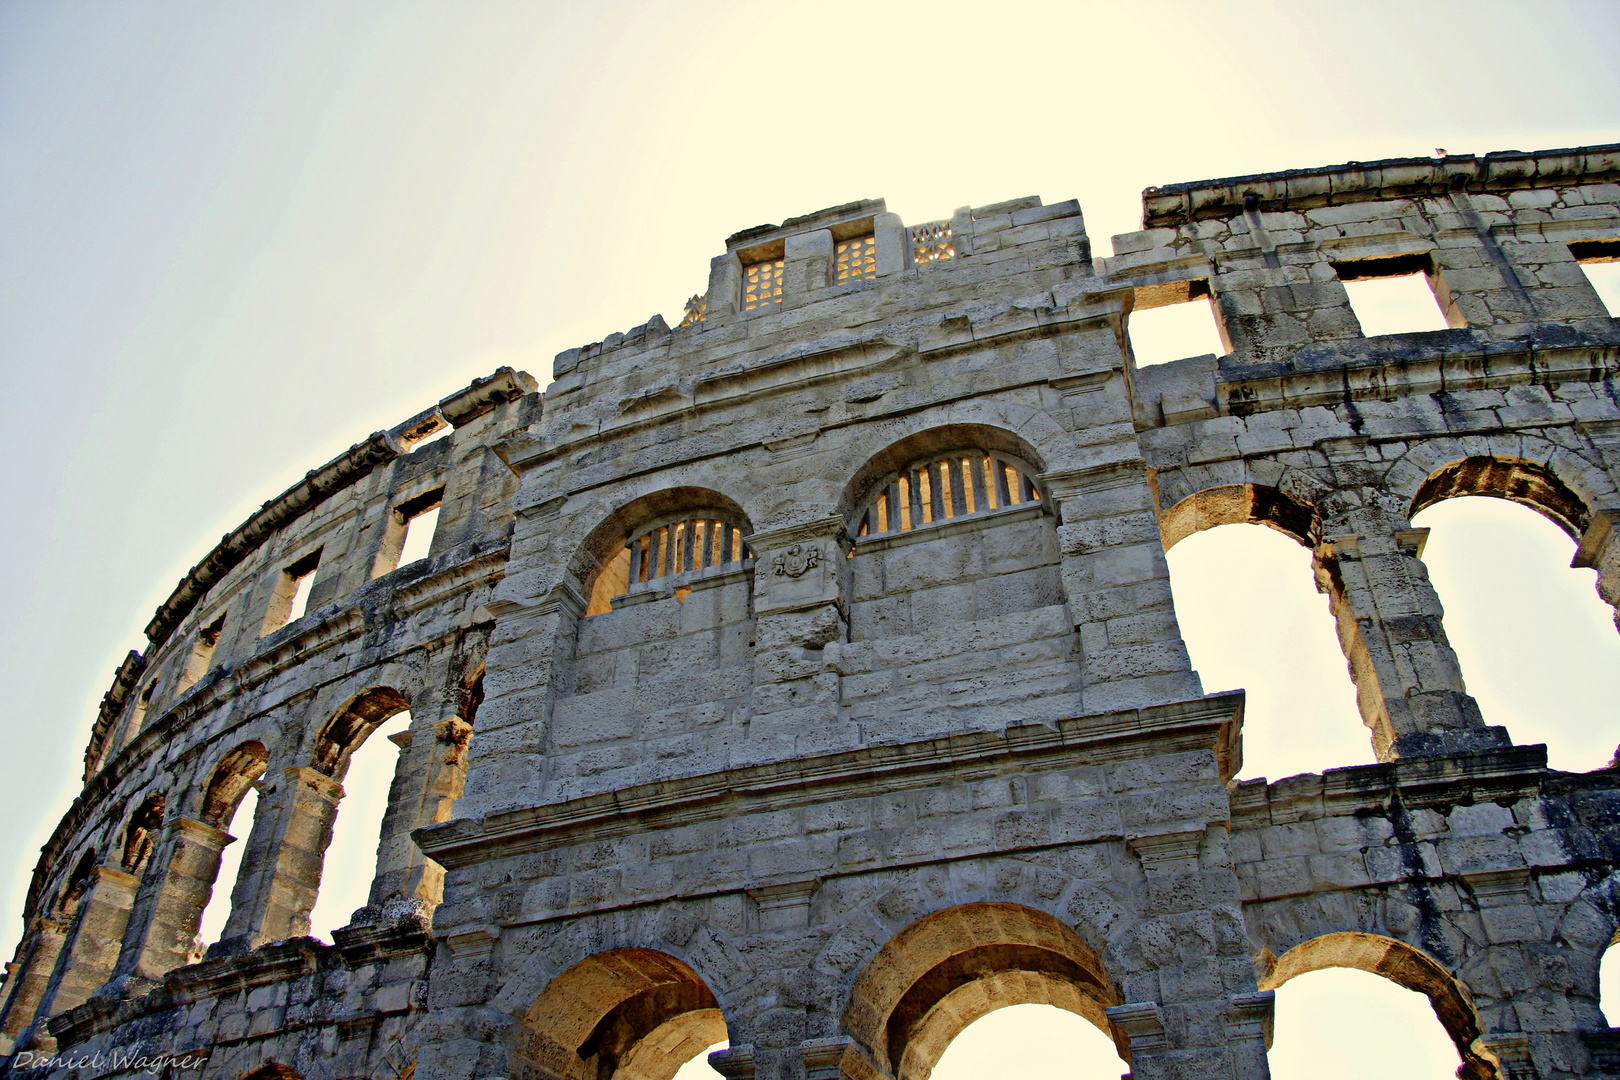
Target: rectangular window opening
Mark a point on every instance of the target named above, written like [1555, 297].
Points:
[408, 537]
[1393, 295]
[419, 532]
[1168, 323]
[290, 598]
[1600, 259]
[202, 652]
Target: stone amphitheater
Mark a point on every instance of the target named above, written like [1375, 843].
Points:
[807, 674]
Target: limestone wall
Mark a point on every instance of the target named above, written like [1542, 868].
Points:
[808, 674]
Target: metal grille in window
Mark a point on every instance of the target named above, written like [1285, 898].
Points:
[856, 258]
[931, 243]
[762, 284]
[697, 309]
[962, 484]
[684, 547]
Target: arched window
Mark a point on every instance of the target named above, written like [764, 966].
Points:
[920, 992]
[662, 543]
[628, 1012]
[230, 804]
[942, 488]
[1251, 615]
[1036, 1042]
[141, 833]
[1337, 1007]
[351, 859]
[1334, 988]
[1536, 644]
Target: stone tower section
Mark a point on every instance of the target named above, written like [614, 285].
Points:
[807, 675]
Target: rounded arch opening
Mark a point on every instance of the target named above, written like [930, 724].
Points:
[1241, 504]
[933, 444]
[369, 730]
[231, 780]
[275, 1070]
[1533, 637]
[949, 969]
[1240, 559]
[1512, 479]
[666, 533]
[352, 725]
[140, 833]
[627, 1014]
[1406, 967]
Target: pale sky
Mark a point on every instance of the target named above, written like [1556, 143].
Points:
[236, 238]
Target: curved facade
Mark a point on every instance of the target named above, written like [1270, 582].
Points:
[807, 675]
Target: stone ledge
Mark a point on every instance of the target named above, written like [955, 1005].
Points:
[277, 962]
[1376, 181]
[1210, 723]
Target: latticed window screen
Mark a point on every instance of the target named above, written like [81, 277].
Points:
[961, 484]
[697, 310]
[931, 243]
[855, 258]
[680, 547]
[762, 284]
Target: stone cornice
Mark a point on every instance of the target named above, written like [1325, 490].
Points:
[1373, 181]
[1513, 772]
[1411, 365]
[1210, 723]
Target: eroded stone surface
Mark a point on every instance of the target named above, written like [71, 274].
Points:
[882, 720]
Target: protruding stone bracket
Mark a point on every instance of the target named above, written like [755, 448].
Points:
[1142, 1023]
[1251, 1017]
[1512, 1052]
[474, 943]
[1499, 888]
[737, 1063]
[785, 907]
[823, 1057]
[1168, 853]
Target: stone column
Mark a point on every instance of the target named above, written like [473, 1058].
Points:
[162, 930]
[91, 951]
[432, 771]
[1409, 685]
[281, 869]
[1600, 550]
[1118, 586]
[1181, 1014]
[800, 584]
[27, 978]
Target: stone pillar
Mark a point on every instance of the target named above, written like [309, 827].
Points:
[725, 277]
[431, 774]
[281, 869]
[27, 978]
[807, 266]
[531, 655]
[800, 585]
[1600, 550]
[1182, 1016]
[162, 930]
[1409, 685]
[893, 244]
[1118, 586]
[90, 953]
